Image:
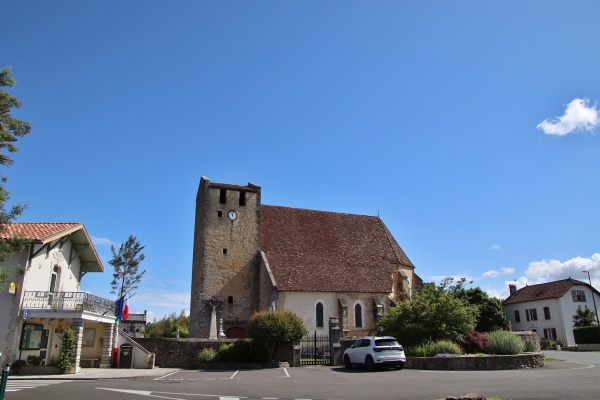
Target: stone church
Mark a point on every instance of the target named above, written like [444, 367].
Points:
[251, 257]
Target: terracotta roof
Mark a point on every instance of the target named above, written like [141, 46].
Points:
[37, 231]
[310, 250]
[46, 232]
[543, 291]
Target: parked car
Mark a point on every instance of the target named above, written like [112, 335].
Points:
[375, 351]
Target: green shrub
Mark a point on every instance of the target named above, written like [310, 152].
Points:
[445, 347]
[275, 330]
[586, 335]
[207, 355]
[36, 361]
[242, 351]
[66, 358]
[421, 350]
[504, 343]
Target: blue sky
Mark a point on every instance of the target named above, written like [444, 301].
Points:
[470, 127]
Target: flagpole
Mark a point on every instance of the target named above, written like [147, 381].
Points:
[115, 352]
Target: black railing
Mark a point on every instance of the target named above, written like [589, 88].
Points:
[315, 350]
[78, 301]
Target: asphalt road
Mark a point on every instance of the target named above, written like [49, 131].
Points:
[572, 376]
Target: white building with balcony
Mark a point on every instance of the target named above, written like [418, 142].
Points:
[43, 297]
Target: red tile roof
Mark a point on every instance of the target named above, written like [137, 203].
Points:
[37, 231]
[543, 291]
[311, 250]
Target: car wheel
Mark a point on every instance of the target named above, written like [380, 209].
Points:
[347, 363]
[400, 366]
[369, 364]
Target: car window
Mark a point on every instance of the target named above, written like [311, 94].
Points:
[365, 343]
[386, 342]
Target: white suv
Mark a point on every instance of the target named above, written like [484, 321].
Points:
[375, 351]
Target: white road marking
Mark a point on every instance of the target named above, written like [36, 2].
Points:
[16, 385]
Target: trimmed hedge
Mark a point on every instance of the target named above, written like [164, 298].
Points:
[586, 335]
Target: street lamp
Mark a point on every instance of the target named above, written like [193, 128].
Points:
[593, 297]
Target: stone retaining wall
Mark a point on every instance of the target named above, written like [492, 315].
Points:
[179, 353]
[474, 363]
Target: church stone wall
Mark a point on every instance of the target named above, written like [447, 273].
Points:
[225, 264]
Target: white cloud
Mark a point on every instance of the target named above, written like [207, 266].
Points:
[496, 247]
[492, 273]
[555, 269]
[101, 241]
[578, 116]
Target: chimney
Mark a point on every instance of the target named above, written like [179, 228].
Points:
[512, 288]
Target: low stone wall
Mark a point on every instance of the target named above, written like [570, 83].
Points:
[183, 353]
[471, 363]
[179, 353]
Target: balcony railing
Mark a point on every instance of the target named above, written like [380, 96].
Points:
[76, 301]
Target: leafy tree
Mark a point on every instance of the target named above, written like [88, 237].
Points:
[437, 313]
[583, 318]
[126, 263]
[275, 330]
[167, 326]
[11, 129]
[491, 314]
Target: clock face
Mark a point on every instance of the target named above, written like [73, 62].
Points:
[232, 215]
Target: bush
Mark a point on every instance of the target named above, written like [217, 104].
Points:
[586, 335]
[446, 347]
[432, 349]
[474, 342]
[242, 351]
[36, 361]
[66, 358]
[273, 330]
[421, 350]
[207, 355]
[504, 343]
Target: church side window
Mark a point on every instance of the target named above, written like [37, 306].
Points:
[319, 312]
[358, 316]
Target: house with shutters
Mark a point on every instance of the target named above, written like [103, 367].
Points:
[318, 264]
[548, 308]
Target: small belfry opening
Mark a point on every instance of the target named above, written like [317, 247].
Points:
[242, 198]
[223, 196]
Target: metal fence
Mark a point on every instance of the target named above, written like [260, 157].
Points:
[68, 301]
[315, 350]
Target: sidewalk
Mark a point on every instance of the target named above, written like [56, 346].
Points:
[101, 373]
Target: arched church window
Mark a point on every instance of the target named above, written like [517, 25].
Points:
[319, 312]
[358, 316]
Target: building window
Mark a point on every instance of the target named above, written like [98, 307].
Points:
[547, 312]
[89, 335]
[533, 314]
[358, 323]
[578, 295]
[527, 315]
[224, 251]
[230, 300]
[517, 316]
[219, 214]
[242, 198]
[550, 333]
[319, 312]
[223, 196]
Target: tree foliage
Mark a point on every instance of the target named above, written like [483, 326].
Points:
[275, 329]
[491, 314]
[126, 262]
[437, 313]
[66, 357]
[167, 326]
[11, 129]
[583, 318]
